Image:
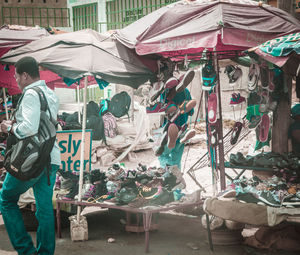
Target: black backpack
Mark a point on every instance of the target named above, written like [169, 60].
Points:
[26, 158]
[119, 104]
[97, 125]
[92, 108]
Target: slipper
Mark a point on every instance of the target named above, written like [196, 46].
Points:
[158, 88]
[254, 121]
[172, 136]
[188, 135]
[234, 73]
[213, 136]
[185, 80]
[253, 77]
[264, 77]
[271, 86]
[264, 128]
[264, 104]
[212, 108]
[236, 99]
[236, 132]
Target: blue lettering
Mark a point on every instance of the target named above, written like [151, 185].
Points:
[76, 147]
[63, 149]
[70, 143]
[77, 165]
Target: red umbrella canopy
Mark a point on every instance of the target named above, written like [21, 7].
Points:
[188, 27]
[52, 80]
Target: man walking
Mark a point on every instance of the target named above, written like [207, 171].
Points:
[26, 124]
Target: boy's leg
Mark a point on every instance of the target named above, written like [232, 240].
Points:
[176, 154]
[44, 213]
[10, 193]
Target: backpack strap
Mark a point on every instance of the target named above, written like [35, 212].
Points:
[44, 104]
[43, 100]
[44, 108]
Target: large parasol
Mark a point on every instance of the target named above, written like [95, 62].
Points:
[188, 27]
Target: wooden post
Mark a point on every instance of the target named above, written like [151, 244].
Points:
[281, 120]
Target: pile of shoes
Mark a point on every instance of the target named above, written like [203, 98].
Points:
[274, 191]
[136, 187]
[269, 160]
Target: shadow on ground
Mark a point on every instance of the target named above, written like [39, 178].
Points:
[177, 235]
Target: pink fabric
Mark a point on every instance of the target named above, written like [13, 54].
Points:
[110, 125]
[279, 61]
[52, 80]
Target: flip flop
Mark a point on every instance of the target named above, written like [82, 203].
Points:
[264, 128]
[254, 121]
[212, 108]
[264, 77]
[271, 86]
[185, 80]
[236, 132]
[158, 88]
[213, 136]
[253, 77]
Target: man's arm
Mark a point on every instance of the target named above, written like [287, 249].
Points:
[30, 112]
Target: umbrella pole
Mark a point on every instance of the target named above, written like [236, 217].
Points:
[5, 103]
[220, 129]
[82, 148]
[78, 102]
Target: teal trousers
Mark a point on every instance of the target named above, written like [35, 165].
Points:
[172, 157]
[12, 217]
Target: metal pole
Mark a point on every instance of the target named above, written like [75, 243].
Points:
[5, 103]
[82, 148]
[220, 128]
[78, 102]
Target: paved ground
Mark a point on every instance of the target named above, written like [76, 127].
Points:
[175, 236]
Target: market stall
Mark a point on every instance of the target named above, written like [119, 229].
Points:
[118, 65]
[194, 35]
[271, 200]
[214, 30]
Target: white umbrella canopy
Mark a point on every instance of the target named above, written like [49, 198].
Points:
[86, 52]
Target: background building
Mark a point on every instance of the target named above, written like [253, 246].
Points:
[44, 13]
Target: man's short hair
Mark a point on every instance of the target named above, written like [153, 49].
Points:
[28, 65]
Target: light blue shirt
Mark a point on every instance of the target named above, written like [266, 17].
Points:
[28, 114]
